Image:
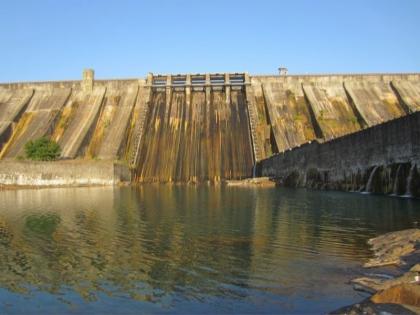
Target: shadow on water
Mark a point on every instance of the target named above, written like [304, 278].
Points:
[206, 249]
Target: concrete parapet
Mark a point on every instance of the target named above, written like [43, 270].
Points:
[373, 77]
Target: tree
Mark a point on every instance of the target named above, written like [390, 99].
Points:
[42, 149]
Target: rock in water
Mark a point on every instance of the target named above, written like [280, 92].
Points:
[399, 295]
[367, 307]
[391, 247]
[406, 294]
[373, 285]
[252, 182]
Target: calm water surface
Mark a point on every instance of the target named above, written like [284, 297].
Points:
[184, 249]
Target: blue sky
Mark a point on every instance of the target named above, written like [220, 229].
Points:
[55, 40]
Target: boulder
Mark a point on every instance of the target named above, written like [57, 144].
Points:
[389, 249]
[405, 294]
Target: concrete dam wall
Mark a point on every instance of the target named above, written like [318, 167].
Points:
[293, 110]
[197, 128]
[381, 159]
[196, 140]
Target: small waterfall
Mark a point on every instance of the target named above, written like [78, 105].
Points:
[410, 177]
[396, 181]
[371, 177]
[254, 171]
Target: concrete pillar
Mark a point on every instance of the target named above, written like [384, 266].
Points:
[168, 89]
[247, 79]
[188, 89]
[227, 88]
[149, 88]
[247, 83]
[208, 89]
[88, 77]
[149, 80]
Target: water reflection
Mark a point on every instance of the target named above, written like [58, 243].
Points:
[187, 248]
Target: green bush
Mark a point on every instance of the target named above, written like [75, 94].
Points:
[42, 149]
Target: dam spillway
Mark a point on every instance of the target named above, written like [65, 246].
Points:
[195, 132]
[197, 127]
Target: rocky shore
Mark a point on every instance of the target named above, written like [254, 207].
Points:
[252, 182]
[391, 294]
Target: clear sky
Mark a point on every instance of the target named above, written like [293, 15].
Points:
[56, 39]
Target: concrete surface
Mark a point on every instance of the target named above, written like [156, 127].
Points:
[375, 101]
[62, 173]
[115, 134]
[12, 104]
[38, 120]
[196, 141]
[331, 109]
[198, 127]
[83, 111]
[288, 114]
[409, 93]
[380, 159]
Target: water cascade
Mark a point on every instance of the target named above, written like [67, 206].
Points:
[395, 188]
[408, 189]
[371, 178]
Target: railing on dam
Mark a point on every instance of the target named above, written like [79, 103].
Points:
[216, 81]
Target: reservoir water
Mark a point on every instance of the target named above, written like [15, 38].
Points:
[188, 249]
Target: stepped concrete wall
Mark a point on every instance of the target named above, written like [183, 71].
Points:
[38, 120]
[300, 108]
[12, 104]
[331, 110]
[78, 118]
[409, 93]
[383, 159]
[288, 113]
[115, 134]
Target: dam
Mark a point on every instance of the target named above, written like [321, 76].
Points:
[194, 128]
[130, 241]
[198, 128]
